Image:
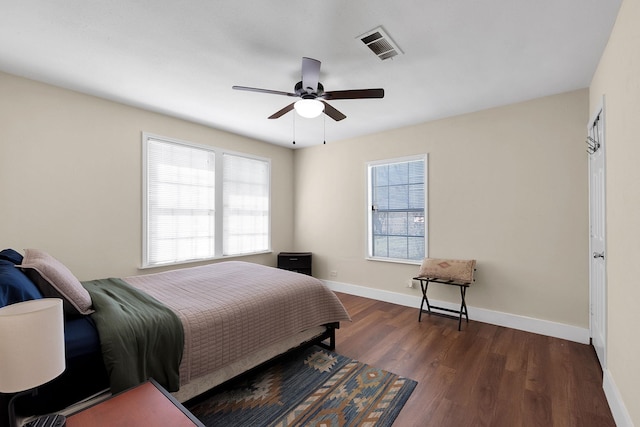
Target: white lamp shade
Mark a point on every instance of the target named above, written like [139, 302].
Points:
[31, 344]
[309, 108]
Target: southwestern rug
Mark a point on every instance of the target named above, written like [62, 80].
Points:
[309, 387]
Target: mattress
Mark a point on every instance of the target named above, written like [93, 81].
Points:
[235, 308]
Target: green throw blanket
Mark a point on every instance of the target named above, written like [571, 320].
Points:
[140, 337]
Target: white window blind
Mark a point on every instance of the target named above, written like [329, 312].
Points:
[202, 202]
[180, 203]
[397, 209]
[245, 205]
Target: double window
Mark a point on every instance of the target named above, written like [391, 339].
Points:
[202, 202]
[397, 219]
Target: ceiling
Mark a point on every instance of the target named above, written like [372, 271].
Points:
[181, 57]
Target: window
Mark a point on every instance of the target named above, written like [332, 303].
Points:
[246, 205]
[397, 209]
[202, 202]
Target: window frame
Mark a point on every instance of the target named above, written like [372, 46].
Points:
[369, 207]
[219, 154]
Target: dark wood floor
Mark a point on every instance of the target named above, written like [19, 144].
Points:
[485, 375]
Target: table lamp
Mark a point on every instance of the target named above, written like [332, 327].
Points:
[31, 351]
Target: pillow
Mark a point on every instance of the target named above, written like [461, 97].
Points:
[15, 286]
[11, 255]
[448, 269]
[55, 280]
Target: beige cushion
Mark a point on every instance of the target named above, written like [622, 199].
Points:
[448, 269]
[55, 280]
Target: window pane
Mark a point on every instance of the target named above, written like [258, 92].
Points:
[415, 196]
[379, 223]
[416, 172]
[416, 224]
[180, 203]
[415, 248]
[381, 197]
[399, 197]
[246, 205]
[398, 173]
[380, 246]
[397, 223]
[397, 247]
[381, 175]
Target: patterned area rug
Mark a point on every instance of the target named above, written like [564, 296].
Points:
[311, 387]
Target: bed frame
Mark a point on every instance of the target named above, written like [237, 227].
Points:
[322, 336]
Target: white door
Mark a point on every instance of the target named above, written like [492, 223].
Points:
[597, 238]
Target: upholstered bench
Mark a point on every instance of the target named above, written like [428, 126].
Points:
[454, 272]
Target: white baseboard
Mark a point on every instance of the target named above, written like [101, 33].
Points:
[529, 324]
[616, 404]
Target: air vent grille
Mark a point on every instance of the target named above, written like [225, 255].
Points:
[380, 43]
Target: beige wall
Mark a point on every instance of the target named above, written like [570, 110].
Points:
[618, 79]
[70, 176]
[507, 186]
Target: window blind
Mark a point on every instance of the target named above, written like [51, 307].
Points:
[245, 194]
[180, 221]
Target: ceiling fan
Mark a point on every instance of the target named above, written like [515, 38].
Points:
[313, 95]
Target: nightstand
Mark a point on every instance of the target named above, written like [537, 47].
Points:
[299, 262]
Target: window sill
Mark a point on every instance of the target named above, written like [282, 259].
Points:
[396, 260]
[202, 260]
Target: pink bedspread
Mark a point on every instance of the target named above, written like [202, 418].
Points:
[231, 309]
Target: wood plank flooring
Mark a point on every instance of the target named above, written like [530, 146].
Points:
[484, 375]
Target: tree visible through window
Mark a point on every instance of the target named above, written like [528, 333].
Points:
[397, 209]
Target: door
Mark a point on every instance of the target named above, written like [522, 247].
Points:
[597, 237]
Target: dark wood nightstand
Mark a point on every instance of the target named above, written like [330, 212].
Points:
[147, 404]
[299, 262]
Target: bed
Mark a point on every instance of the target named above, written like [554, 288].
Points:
[191, 328]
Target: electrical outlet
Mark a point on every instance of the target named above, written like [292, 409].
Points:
[333, 274]
[409, 283]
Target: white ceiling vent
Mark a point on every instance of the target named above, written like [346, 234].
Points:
[380, 43]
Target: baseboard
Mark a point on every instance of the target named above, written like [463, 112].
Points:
[616, 404]
[529, 324]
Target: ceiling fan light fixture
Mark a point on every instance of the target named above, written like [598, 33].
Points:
[309, 108]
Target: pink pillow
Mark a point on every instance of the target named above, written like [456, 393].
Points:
[55, 280]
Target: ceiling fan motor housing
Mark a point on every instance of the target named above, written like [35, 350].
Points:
[308, 93]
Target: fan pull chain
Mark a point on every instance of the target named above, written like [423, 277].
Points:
[294, 128]
[324, 129]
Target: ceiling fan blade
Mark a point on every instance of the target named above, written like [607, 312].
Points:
[282, 112]
[354, 94]
[310, 74]
[255, 89]
[332, 112]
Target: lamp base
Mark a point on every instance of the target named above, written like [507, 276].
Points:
[54, 420]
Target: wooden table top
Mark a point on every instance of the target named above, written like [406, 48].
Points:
[147, 404]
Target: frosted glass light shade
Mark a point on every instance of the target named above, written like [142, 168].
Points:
[309, 108]
[31, 344]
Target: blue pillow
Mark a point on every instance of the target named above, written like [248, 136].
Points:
[15, 286]
[11, 255]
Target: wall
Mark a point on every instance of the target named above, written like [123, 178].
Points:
[71, 171]
[507, 186]
[618, 80]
